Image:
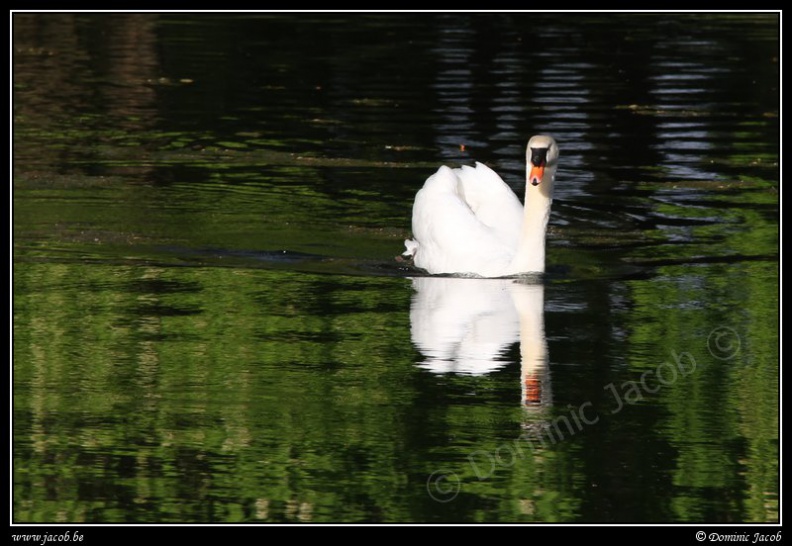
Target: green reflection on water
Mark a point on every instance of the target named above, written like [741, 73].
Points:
[221, 394]
[721, 419]
[154, 384]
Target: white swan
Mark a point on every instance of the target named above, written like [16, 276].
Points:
[468, 221]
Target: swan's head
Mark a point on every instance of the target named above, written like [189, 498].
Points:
[542, 158]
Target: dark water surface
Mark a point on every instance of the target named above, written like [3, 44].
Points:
[210, 324]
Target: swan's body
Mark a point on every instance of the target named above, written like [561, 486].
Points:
[468, 221]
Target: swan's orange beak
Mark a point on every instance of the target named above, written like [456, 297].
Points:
[536, 174]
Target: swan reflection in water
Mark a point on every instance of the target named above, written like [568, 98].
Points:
[467, 325]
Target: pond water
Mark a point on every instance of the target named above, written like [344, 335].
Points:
[210, 323]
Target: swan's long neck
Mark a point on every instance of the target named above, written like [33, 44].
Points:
[530, 255]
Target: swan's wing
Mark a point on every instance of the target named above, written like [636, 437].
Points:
[492, 201]
[450, 237]
[411, 247]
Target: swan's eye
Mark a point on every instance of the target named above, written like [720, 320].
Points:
[539, 156]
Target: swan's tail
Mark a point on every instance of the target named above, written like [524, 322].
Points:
[411, 246]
